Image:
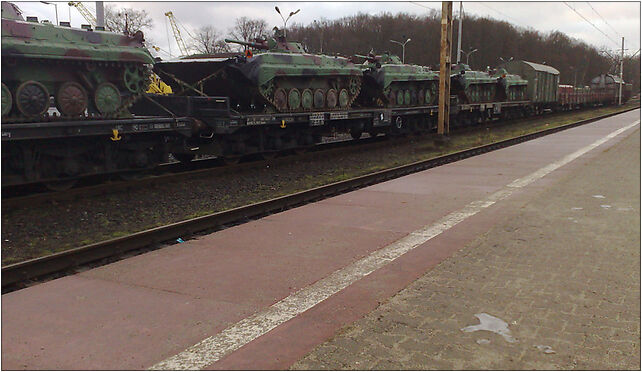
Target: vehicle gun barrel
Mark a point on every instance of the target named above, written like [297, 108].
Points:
[247, 43]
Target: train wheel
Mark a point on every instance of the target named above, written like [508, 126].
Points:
[7, 100]
[420, 97]
[406, 97]
[344, 98]
[331, 98]
[400, 98]
[184, 158]
[307, 99]
[32, 98]
[281, 99]
[71, 99]
[356, 133]
[107, 98]
[60, 185]
[319, 98]
[294, 99]
[230, 160]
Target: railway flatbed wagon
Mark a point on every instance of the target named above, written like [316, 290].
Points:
[221, 130]
[59, 152]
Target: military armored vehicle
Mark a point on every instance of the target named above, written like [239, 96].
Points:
[510, 87]
[86, 71]
[472, 86]
[274, 75]
[389, 82]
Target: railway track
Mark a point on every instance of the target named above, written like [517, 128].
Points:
[16, 276]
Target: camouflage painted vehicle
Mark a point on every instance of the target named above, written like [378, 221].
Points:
[85, 71]
[472, 86]
[509, 87]
[389, 82]
[280, 77]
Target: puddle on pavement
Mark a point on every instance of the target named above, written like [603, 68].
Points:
[598, 196]
[492, 324]
[545, 349]
[483, 341]
[605, 206]
[577, 208]
[625, 209]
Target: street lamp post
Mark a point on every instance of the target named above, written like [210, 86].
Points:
[285, 21]
[403, 49]
[468, 55]
[56, 6]
[321, 37]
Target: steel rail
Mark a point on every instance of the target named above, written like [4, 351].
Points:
[19, 273]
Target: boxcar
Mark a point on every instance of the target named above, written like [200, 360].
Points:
[543, 82]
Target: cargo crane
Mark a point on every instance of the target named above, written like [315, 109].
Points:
[177, 34]
[84, 12]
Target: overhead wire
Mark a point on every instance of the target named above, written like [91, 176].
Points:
[599, 15]
[421, 5]
[504, 14]
[591, 23]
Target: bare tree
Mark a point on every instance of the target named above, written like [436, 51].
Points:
[207, 41]
[127, 20]
[248, 29]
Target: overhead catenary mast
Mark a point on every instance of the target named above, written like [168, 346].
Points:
[621, 73]
[461, 17]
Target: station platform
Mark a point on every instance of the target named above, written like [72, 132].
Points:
[543, 236]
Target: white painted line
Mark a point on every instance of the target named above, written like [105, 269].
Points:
[232, 338]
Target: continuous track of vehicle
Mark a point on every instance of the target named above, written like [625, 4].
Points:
[21, 274]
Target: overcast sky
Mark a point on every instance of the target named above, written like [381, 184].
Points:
[615, 19]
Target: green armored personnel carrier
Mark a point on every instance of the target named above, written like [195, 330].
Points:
[273, 75]
[87, 72]
[389, 82]
[472, 86]
[510, 87]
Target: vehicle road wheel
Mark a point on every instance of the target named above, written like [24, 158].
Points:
[32, 99]
[344, 98]
[294, 99]
[307, 99]
[319, 98]
[107, 98]
[331, 98]
[71, 99]
[281, 99]
[7, 100]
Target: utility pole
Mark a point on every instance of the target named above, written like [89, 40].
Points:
[100, 14]
[443, 119]
[621, 72]
[461, 18]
